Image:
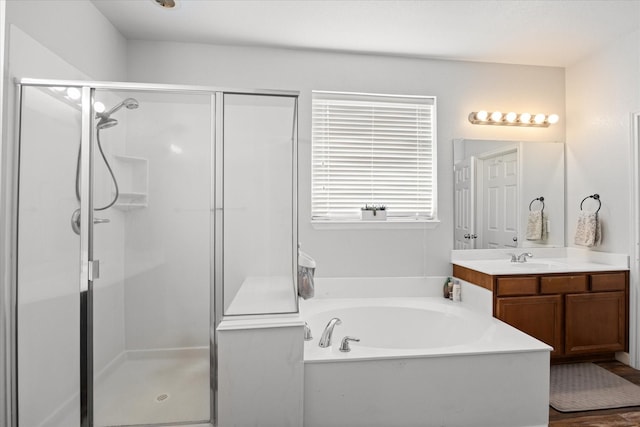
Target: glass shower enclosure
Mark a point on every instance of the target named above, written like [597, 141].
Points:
[142, 213]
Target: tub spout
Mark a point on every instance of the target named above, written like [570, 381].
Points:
[325, 339]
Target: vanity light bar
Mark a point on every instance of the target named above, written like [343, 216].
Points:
[513, 119]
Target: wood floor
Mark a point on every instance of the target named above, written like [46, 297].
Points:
[622, 417]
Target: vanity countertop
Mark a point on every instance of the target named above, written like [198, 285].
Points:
[561, 260]
[497, 267]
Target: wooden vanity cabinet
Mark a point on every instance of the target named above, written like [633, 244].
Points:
[538, 316]
[595, 322]
[579, 315]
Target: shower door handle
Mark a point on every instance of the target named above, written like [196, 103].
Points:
[75, 221]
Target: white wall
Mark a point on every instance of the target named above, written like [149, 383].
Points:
[602, 92]
[76, 32]
[461, 87]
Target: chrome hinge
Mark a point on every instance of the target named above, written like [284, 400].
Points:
[94, 270]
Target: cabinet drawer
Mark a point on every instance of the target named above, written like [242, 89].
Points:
[609, 282]
[563, 284]
[517, 286]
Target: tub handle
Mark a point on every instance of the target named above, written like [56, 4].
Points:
[344, 346]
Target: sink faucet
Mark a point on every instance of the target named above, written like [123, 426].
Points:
[523, 256]
[325, 339]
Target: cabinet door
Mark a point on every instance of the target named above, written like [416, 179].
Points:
[595, 323]
[538, 316]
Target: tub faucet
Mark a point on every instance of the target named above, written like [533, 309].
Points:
[523, 256]
[325, 339]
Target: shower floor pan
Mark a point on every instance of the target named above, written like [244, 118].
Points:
[151, 387]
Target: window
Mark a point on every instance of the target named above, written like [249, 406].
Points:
[373, 149]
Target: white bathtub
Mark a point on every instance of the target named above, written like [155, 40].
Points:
[421, 361]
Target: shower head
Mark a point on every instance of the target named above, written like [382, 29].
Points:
[106, 122]
[130, 103]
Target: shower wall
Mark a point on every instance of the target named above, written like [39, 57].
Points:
[167, 244]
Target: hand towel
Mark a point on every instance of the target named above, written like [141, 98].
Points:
[535, 226]
[589, 229]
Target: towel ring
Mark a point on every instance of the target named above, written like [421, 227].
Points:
[594, 197]
[541, 200]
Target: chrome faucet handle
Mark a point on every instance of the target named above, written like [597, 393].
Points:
[307, 332]
[344, 346]
[513, 258]
[523, 256]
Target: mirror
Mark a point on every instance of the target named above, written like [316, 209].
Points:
[498, 187]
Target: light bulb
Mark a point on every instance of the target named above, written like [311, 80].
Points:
[482, 115]
[73, 93]
[524, 118]
[98, 107]
[553, 118]
[496, 116]
[539, 119]
[511, 117]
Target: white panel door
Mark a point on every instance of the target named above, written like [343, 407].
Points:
[464, 204]
[500, 188]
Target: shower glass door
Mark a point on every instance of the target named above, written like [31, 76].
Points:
[152, 234]
[133, 344]
[48, 261]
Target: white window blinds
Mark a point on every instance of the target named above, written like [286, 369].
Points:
[373, 149]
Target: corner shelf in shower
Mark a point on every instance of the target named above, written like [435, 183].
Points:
[133, 177]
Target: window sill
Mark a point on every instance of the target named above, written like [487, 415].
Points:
[389, 224]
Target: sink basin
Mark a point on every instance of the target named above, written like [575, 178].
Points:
[537, 265]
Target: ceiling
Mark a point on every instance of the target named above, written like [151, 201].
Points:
[531, 32]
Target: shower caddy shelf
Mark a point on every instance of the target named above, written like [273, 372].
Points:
[134, 188]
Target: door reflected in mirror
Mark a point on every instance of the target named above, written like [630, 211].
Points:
[508, 194]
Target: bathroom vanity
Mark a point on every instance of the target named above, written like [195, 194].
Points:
[580, 308]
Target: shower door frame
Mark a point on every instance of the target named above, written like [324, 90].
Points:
[88, 267]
